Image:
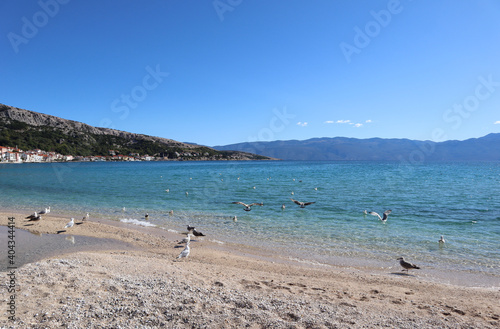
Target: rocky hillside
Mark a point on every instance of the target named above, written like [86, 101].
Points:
[33, 130]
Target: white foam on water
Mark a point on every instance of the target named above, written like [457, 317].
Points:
[137, 222]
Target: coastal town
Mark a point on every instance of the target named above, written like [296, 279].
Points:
[16, 155]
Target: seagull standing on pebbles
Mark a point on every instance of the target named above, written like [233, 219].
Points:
[247, 206]
[406, 265]
[186, 239]
[32, 216]
[185, 252]
[196, 233]
[302, 204]
[70, 223]
[35, 218]
[384, 217]
[45, 211]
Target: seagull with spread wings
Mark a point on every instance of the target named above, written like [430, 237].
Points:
[302, 204]
[384, 217]
[247, 206]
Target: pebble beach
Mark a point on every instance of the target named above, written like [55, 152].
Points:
[220, 286]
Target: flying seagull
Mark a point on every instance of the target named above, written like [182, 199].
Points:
[247, 206]
[185, 252]
[406, 266]
[302, 204]
[70, 223]
[384, 217]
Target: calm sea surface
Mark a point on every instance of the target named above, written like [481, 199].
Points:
[458, 200]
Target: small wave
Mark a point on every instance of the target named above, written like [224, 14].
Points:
[310, 262]
[136, 222]
[216, 241]
[172, 231]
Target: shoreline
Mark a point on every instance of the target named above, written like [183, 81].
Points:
[383, 268]
[224, 286]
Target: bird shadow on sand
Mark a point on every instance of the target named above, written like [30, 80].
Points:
[79, 223]
[402, 274]
[61, 231]
[29, 224]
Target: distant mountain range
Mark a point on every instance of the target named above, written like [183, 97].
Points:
[486, 148]
[32, 130]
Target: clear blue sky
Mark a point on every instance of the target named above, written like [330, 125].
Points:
[228, 71]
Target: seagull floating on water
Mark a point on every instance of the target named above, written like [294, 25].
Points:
[302, 204]
[247, 206]
[406, 265]
[70, 223]
[235, 219]
[283, 206]
[385, 215]
[185, 252]
[441, 240]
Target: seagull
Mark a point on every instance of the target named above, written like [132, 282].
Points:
[45, 211]
[302, 204]
[86, 217]
[365, 212]
[196, 233]
[34, 219]
[167, 190]
[146, 217]
[70, 223]
[384, 218]
[186, 239]
[406, 266]
[235, 219]
[441, 240]
[185, 252]
[171, 212]
[32, 216]
[190, 228]
[283, 206]
[247, 206]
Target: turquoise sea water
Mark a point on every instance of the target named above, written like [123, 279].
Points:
[458, 200]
